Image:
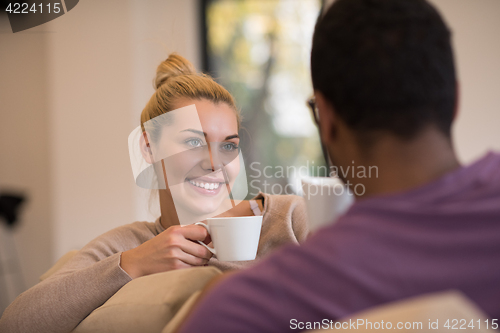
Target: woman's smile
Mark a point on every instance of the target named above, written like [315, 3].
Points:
[206, 185]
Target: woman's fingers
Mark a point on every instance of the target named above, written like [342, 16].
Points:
[191, 260]
[175, 248]
[193, 232]
[189, 250]
[179, 263]
[195, 249]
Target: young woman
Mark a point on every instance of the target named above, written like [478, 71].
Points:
[111, 260]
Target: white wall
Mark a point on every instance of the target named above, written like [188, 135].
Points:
[103, 59]
[25, 155]
[476, 28]
[71, 91]
[90, 74]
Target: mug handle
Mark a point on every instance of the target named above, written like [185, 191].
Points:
[205, 245]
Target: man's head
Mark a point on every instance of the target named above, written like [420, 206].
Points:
[384, 67]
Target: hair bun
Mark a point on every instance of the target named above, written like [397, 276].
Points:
[173, 66]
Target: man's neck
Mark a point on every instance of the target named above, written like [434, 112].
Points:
[404, 165]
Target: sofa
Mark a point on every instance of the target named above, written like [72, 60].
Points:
[160, 302]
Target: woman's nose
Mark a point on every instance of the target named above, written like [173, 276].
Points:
[207, 162]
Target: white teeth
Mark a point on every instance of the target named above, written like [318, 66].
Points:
[206, 186]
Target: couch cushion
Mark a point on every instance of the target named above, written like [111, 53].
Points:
[148, 303]
[181, 315]
[418, 313]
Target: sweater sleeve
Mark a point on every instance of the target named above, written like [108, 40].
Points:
[300, 221]
[62, 301]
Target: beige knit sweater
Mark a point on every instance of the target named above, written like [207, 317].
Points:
[93, 275]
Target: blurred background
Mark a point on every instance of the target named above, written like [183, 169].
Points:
[72, 90]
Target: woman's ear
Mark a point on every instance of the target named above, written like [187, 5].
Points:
[145, 148]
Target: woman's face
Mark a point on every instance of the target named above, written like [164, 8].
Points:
[199, 145]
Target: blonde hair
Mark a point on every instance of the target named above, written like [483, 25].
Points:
[176, 78]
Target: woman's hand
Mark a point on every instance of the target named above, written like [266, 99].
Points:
[174, 248]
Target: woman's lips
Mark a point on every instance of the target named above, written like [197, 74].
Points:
[206, 179]
[205, 187]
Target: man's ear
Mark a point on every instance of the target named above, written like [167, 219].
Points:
[327, 118]
[457, 100]
[145, 148]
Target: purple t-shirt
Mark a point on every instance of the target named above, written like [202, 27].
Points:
[443, 235]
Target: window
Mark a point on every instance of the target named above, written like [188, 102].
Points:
[260, 51]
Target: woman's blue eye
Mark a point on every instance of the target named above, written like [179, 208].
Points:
[229, 146]
[194, 142]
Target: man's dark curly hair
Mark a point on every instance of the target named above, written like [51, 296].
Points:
[385, 65]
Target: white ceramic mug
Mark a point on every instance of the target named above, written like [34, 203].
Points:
[234, 238]
[326, 198]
